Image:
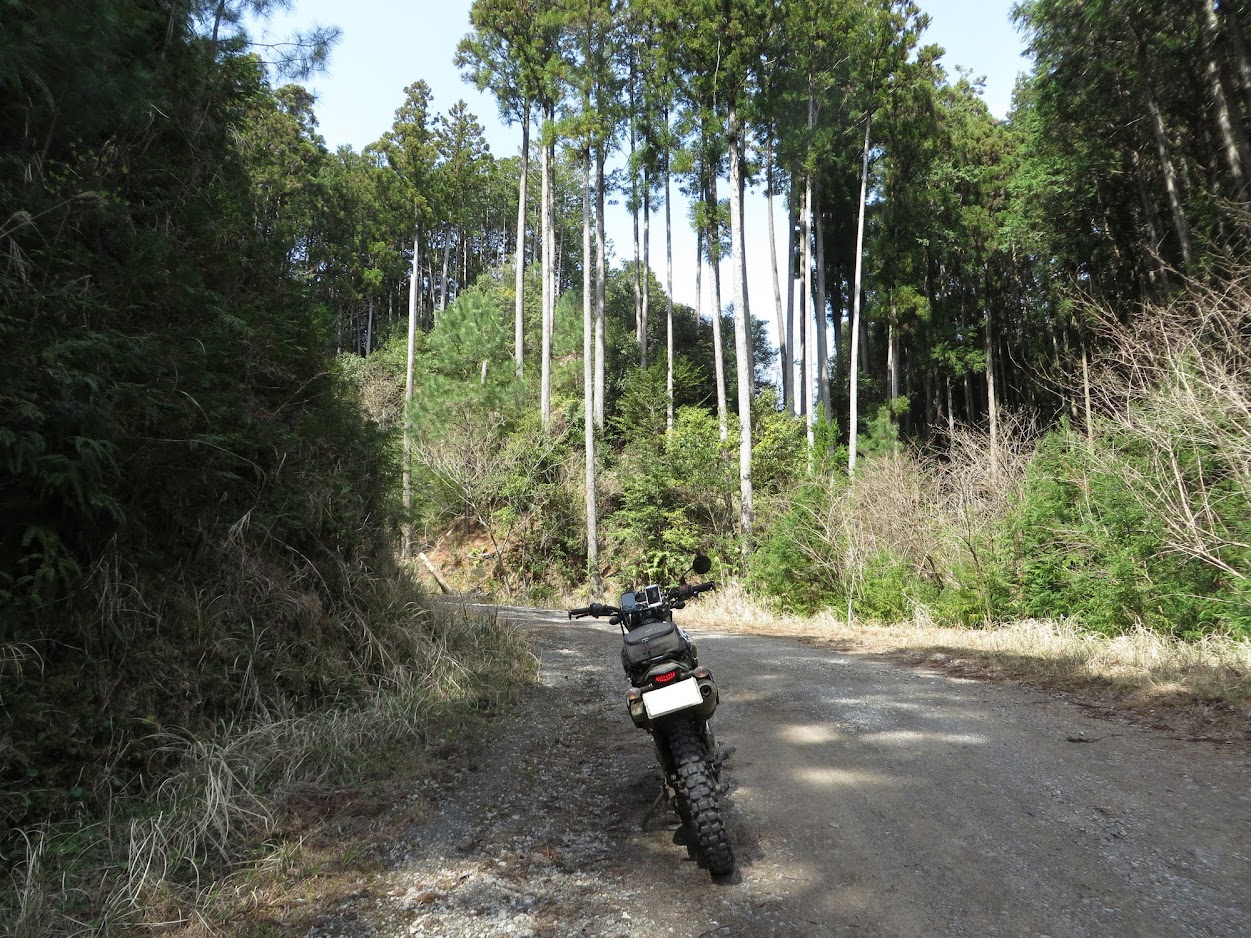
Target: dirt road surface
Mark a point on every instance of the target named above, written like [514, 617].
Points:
[866, 799]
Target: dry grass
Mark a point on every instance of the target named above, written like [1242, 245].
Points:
[160, 860]
[1176, 383]
[1199, 688]
[14, 659]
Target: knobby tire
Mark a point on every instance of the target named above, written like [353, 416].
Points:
[697, 794]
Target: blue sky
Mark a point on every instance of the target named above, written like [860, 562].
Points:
[387, 44]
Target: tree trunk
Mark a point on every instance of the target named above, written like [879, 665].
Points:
[932, 409]
[818, 305]
[369, 328]
[647, 266]
[992, 400]
[718, 344]
[713, 234]
[815, 353]
[1151, 219]
[951, 414]
[638, 272]
[853, 355]
[519, 274]
[811, 395]
[803, 346]
[668, 296]
[794, 330]
[588, 377]
[783, 325]
[1090, 418]
[800, 333]
[407, 482]
[218, 15]
[434, 572]
[535, 234]
[634, 211]
[1233, 137]
[1238, 45]
[699, 280]
[742, 333]
[1171, 183]
[892, 356]
[866, 347]
[549, 265]
[601, 274]
[558, 277]
[836, 323]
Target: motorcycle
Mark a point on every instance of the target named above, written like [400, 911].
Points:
[673, 697]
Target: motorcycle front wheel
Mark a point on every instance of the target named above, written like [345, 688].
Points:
[698, 805]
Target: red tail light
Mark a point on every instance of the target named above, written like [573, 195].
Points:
[664, 678]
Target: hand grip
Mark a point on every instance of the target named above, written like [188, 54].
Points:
[594, 609]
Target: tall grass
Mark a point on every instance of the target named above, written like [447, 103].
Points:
[155, 851]
[15, 658]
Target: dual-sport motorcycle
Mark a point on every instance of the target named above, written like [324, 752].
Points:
[673, 697]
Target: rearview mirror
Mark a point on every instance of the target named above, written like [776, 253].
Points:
[701, 564]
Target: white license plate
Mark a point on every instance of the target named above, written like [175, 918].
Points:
[677, 696]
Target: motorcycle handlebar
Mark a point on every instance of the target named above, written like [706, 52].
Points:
[683, 592]
[676, 594]
[594, 609]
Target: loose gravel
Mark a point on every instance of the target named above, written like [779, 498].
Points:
[865, 799]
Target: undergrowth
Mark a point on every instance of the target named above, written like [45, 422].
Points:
[156, 854]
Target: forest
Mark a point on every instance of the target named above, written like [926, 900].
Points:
[1003, 375]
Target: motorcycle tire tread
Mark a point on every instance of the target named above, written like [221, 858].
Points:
[699, 792]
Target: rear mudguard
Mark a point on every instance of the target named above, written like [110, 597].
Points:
[707, 690]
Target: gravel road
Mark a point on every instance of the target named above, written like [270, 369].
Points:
[866, 799]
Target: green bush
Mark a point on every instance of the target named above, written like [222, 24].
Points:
[793, 562]
[676, 490]
[779, 456]
[889, 589]
[1086, 547]
[189, 498]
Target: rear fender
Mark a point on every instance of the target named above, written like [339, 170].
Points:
[707, 690]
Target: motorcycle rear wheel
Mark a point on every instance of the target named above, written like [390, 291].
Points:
[698, 805]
